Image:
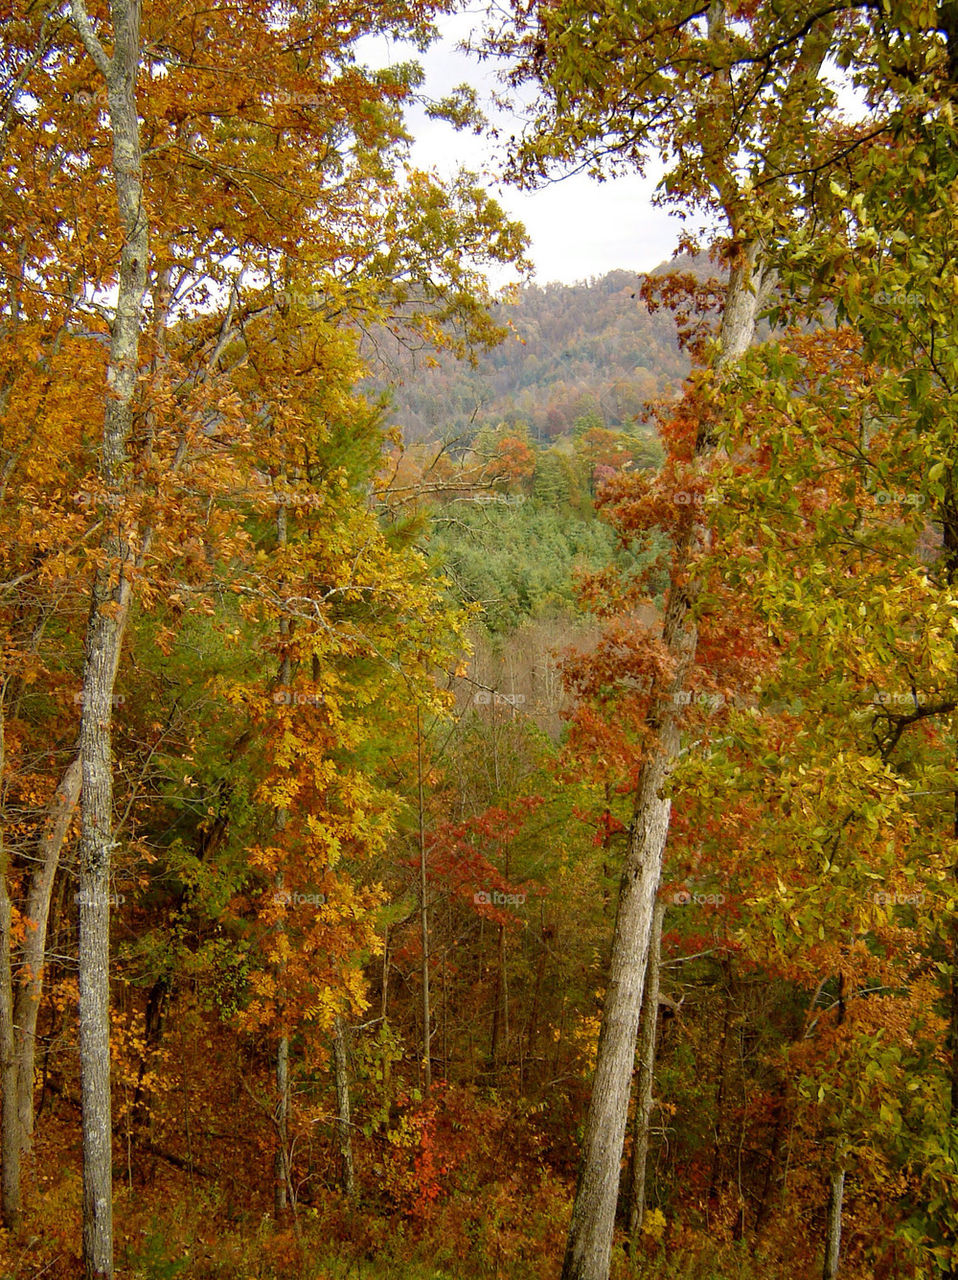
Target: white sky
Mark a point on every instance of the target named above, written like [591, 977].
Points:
[578, 227]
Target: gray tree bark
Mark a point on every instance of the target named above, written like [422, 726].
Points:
[30, 987]
[104, 636]
[423, 921]
[10, 1178]
[833, 1230]
[281, 1164]
[282, 1180]
[648, 1025]
[347, 1177]
[589, 1245]
[10, 1196]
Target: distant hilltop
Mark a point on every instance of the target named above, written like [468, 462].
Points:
[574, 351]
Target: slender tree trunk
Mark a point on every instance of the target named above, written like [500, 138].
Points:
[423, 918]
[589, 1244]
[533, 1031]
[500, 1017]
[347, 1179]
[30, 987]
[952, 1040]
[109, 604]
[593, 1217]
[281, 1160]
[953, 1015]
[20, 1002]
[94, 941]
[10, 1139]
[833, 1229]
[10, 1176]
[500, 1022]
[648, 1025]
[281, 1163]
[717, 1144]
[10, 1206]
[153, 1020]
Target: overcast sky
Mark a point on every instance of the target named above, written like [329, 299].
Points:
[578, 227]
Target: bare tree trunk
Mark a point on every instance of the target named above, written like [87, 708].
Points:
[343, 1125]
[533, 1029]
[648, 1025]
[500, 1016]
[108, 609]
[281, 1161]
[10, 1150]
[10, 1177]
[833, 1229]
[283, 1172]
[8, 1070]
[589, 1245]
[30, 987]
[20, 1002]
[500, 1022]
[951, 535]
[423, 919]
[718, 1145]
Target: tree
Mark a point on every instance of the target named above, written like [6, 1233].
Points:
[735, 98]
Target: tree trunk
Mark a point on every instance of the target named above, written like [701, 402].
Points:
[104, 636]
[10, 1178]
[10, 1171]
[19, 1004]
[500, 1017]
[833, 1229]
[648, 1025]
[283, 1173]
[589, 1244]
[423, 919]
[718, 1146]
[533, 1030]
[30, 987]
[343, 1126]
[593, 1217]
[281, 1161]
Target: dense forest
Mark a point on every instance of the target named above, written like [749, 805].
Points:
[478, 777]
[588, 350]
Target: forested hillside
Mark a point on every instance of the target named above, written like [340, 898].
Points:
[588, 350]
[487, 820]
